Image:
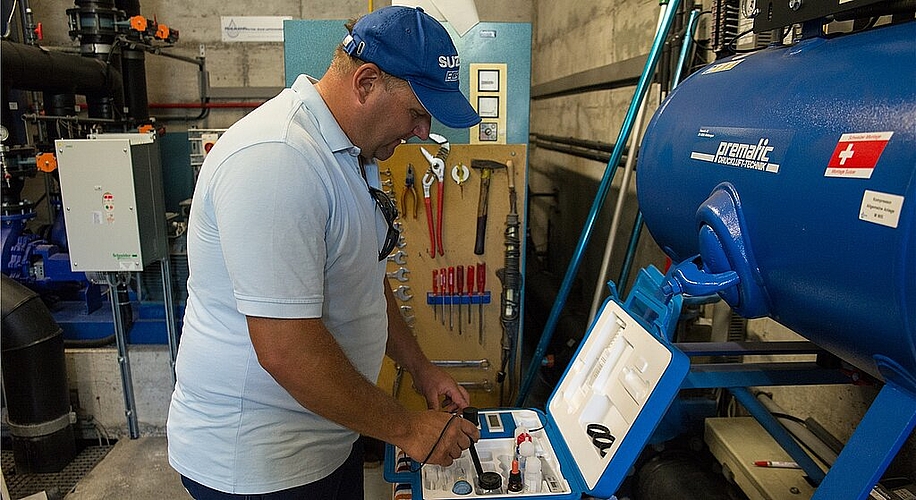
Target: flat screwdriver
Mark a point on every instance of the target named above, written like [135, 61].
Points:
[451, 293]
[435, 293]
[481, 286]
[459, 290]
[471, 277]
[443, 281]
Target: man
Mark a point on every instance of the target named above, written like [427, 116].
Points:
[288, 314]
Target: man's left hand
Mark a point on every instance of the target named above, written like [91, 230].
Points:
[441, 391]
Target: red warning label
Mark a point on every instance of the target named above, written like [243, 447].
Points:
[857, 154]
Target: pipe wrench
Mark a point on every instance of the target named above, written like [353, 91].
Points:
[435, 173]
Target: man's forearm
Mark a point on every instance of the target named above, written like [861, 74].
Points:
[402, 346]
[303, 357]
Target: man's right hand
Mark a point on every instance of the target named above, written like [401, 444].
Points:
[427, 426]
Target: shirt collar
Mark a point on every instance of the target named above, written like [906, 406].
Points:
[335, 137]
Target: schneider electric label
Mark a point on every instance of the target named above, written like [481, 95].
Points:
[752, 149]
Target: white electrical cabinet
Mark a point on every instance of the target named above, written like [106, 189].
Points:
[113, 201]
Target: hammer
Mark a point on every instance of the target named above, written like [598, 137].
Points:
[486, 168]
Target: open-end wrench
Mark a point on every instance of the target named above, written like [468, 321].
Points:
[483, 364]
[402, 293]
[399, 275]
[399, 258]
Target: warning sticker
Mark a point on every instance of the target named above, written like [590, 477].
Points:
[881, 208]
[857, 154]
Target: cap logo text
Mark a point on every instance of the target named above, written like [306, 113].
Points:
[448, 61]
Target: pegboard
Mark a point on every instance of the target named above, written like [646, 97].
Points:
[459, 227]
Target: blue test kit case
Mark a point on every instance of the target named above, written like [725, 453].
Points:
[622, 379]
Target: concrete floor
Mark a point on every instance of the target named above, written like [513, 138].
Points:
[139, 469]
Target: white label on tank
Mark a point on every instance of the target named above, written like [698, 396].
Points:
[881, 208]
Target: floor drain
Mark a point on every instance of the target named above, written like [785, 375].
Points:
[56, 484]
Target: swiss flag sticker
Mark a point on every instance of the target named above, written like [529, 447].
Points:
[857, 154]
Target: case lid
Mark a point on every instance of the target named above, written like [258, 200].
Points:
[619, 385]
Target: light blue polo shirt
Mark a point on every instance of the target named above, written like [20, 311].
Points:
[281, 226]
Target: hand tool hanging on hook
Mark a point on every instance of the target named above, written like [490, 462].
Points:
[435, 173]
[486, 168]
[410, 191]
[435, 292]
[471, 277]
[511, 278]
[459, 290]
[451, 295]
[443, 285]
[481, 286]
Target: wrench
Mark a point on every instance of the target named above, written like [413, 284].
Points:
[483, 364]
[402, 293]
[399, 258]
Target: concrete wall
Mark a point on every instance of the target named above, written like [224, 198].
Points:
[570, 38]
[230, 64]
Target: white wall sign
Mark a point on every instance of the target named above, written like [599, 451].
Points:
[252, 28]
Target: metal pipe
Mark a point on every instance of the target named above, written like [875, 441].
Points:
[170, 326]
[35, 382]
[203, 105]
[77, 119]
[127, 383]
[618, 211]
[666, 17]
[631, 254]
[574, 141]
[779, 433]
[637, 224]
[573, 151]
[33, 68]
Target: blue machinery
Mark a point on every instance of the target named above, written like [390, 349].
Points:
[798, 200]
[105, 189]
[784, 181]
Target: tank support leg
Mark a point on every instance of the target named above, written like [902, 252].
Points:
[879, 436]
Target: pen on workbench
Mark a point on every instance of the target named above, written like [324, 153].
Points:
[776, 465]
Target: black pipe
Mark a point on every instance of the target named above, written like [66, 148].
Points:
[35, 379]
[32, 68]
[133, 67]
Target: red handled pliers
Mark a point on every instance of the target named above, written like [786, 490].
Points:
[435, 172]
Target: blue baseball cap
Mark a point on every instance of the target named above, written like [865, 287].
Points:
[408, 43]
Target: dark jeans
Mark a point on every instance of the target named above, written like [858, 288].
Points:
[345, 483]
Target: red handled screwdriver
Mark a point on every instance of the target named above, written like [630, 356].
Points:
[451, 294]
[470, 290]
[443, 280]
[459, 289]
[435, 292]
[481, 286]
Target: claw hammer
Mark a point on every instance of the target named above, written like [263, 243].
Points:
[486, 168]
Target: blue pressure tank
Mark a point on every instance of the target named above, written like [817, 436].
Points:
[794, 169]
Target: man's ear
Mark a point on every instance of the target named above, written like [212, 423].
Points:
[366, 78]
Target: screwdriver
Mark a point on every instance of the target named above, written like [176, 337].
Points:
[443, 280]
[435, 292]
[481, 286]
[459, 289]
[470, 290]
[451, 293]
